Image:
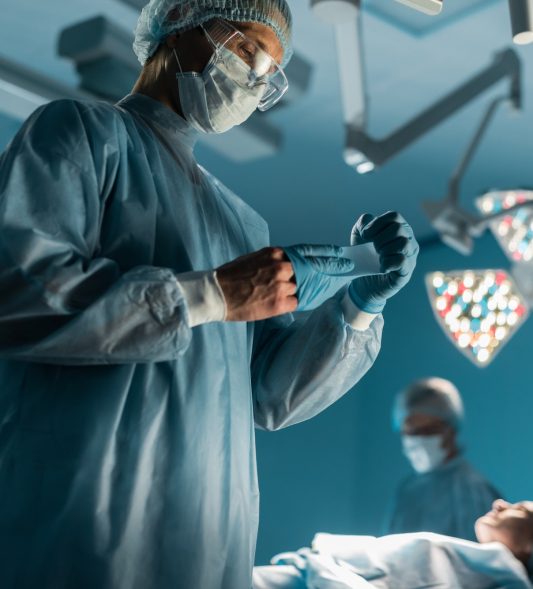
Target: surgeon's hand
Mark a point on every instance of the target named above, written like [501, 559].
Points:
[258, 286]
[318, 273]
[398, 249]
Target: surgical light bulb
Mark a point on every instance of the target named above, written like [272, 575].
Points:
[438, 280]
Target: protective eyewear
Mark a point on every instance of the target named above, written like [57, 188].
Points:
[259, 68]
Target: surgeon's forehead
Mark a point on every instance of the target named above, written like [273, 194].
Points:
[264, 36]
[422, 420]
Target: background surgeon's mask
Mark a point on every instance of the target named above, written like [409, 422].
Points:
[214, 101]
[425, 453]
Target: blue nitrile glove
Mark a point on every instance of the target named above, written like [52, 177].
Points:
[315, 267]
[398, 249]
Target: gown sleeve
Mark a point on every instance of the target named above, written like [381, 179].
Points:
[299, 368]
[61, 301]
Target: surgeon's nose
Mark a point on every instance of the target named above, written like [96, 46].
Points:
[500, 505]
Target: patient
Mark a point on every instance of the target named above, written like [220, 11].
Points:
[413, 561]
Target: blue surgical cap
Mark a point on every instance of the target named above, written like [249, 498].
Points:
[161, 18]
[431, 396]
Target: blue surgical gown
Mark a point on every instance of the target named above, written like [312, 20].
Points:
[127, 453]
[447, 500]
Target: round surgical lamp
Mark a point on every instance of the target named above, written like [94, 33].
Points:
[522, 21]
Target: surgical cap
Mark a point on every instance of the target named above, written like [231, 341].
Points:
[430, 396]
[161, 18]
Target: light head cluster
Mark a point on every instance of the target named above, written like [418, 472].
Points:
[514, 232]
[479, 310]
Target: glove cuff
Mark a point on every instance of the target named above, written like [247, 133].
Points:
[363, 304]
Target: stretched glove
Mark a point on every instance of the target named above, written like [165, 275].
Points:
[315, 269]
[398, 249]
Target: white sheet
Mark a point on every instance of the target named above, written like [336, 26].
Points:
[404, 561]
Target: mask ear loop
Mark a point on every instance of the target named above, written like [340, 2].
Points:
[210, 39]
[177, 59]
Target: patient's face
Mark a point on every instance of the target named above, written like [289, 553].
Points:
[510, 524]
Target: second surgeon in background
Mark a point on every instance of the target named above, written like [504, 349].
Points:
[445, 495]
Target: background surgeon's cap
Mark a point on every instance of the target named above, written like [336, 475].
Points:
[161, 18]
[431, 396]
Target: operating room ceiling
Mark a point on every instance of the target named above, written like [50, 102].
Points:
[306, 191]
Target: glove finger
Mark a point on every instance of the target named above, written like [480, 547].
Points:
[294, 256]
[380, 223]
[392, 263]
[356, 236]
[398, 264]
[331, 266]
[323, 250]
[390, 233]
[400, 245]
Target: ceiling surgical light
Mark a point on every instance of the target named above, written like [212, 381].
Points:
[345, 16]
[521, 21]
[513, 229]
[456, 226]
[431, 7]
[379, 151]
[365, 153]
[479, 310]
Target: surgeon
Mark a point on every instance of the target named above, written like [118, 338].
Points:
[445, 494]
[145, 322]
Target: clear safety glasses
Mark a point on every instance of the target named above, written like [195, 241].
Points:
[259, 68]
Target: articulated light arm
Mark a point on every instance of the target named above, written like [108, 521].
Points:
[361, 147]
[457, 227]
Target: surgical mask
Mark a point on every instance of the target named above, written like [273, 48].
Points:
[425, 453]
[214, 101]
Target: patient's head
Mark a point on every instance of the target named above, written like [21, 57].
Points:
[510, 524]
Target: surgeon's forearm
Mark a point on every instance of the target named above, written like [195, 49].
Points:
[301, 369]
[140, 316]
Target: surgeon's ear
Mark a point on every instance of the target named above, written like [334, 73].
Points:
[449, 438]
[172, 41]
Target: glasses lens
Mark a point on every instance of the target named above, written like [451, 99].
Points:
[276, 88]
[258, 67]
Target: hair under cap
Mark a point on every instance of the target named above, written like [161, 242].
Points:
[161, 18]
[431, 396]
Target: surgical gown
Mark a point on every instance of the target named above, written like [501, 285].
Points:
[446, 501]
[127, 453]
[403, 561]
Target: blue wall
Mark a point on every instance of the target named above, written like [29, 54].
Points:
[338, 472]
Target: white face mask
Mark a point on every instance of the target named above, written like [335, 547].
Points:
[213, 102]
[425, 453]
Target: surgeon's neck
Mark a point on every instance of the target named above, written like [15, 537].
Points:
[452, 454]
[153, 83]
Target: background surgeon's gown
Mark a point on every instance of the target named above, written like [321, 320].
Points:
[127, 456]
[447, 500]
